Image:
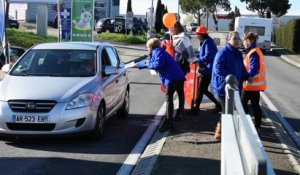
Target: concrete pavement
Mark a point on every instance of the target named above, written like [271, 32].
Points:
[190, 148]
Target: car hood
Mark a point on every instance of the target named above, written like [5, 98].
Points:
[60, 89]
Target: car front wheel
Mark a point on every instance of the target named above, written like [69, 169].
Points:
[123, 112]
[97, 133]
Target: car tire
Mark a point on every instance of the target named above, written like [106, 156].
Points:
[123, 112]
[98, 131]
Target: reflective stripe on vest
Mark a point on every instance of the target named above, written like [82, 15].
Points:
[259, 80]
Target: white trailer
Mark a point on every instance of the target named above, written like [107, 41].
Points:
[262, 26]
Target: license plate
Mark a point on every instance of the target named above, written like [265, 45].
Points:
[31, 118]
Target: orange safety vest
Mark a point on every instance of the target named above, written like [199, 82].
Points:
[259, 80]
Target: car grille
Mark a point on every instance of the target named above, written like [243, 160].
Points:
[30, 126]
[31, 105]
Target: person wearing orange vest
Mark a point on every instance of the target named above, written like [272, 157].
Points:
[255, 66]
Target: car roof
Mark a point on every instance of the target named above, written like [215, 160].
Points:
[71, 45]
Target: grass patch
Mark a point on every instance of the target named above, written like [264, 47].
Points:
[127, 39]
[27, 39]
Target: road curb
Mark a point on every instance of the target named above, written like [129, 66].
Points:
[286, 58]
[136, 156]
[291, 61]
[130, 47]
[285, 133]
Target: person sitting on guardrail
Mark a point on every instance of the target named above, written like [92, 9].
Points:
[228, 60]
[255, 65]
[171, 75]
[207, 52]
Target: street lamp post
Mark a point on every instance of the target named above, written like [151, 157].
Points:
[178, 16]
[150, 25]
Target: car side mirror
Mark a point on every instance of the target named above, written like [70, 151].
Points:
[109, 70]
[6, 68]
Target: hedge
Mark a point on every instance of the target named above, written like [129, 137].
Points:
[288, 36]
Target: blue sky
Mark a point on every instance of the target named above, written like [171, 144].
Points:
[141, 6]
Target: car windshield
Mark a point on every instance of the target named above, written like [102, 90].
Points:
[60, 63]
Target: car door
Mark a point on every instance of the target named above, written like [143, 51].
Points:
[120, 76]
[109, 84]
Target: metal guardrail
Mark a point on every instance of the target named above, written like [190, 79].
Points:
[241, 149]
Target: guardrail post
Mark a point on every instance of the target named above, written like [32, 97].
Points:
[231, 85]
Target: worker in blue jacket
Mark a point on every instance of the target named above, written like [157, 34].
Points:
[207, 52]
[171, 75]
[229, 60]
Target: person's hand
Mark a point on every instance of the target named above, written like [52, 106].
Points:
[141, 64]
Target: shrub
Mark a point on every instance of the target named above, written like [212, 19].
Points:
[127, 39]
[288, 36]
[26, 39]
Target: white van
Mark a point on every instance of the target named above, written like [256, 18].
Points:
[262, 26]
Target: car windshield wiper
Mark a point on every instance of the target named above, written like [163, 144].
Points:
[85, 75]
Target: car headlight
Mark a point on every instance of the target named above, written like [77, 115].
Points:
[82, 100]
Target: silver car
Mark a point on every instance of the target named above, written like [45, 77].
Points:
[63, 88]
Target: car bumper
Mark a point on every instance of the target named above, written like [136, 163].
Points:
[60, 121]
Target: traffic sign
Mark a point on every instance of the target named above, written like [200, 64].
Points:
[65, 23]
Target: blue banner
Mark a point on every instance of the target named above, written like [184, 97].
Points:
[65, 17]
[2, 23]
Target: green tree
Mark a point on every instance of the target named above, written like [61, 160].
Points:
[129, 8]
[200, 7]
[164, 12]
[188, 19]
[234, 14]
[158, 16]
[278, 8]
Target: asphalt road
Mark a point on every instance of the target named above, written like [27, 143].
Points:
[283, 88]
[78, 156]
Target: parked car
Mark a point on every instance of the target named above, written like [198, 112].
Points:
[191, 27]
[15, 53]
[109, 25]
[105, 25]
[13, 23]
[63, 88]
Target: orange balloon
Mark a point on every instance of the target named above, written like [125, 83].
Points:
[169, 19]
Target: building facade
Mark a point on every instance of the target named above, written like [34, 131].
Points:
[102, 9]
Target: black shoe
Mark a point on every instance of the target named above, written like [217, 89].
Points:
[166, 126]
[218, 109]
[179, 116]
[194, 110]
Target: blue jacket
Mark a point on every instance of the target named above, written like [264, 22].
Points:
[228, 60]
[168, 69]
[254, 61]
[207, 52]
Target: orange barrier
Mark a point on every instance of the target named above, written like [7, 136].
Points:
[191, 85]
